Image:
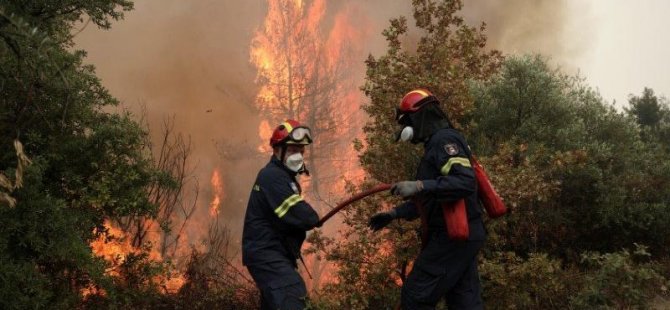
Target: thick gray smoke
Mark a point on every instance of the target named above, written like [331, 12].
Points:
[189, 59]
[559, 29]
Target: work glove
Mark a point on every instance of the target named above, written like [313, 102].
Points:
[406, 188]
[380, 220]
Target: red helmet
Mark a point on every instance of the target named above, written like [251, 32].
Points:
[291, 132]
[414, 100]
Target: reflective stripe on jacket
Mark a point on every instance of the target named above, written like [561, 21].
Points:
[447, 175]
[277, 217]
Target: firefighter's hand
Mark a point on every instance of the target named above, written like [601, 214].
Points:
[380, 220]
[406, 188]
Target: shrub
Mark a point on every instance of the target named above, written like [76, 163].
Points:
[620, 280]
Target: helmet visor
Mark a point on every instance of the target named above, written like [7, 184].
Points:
[301, 133]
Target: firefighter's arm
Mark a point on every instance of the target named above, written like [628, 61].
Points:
[288, 205]
[457, 178]
[406, 210]
[300, 215]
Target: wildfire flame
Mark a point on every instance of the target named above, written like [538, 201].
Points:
[115, 248]
[264, 132]
[217, 189]
[281, 51]
[306, 72]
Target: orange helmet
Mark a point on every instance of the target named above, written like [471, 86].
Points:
[291, 132]
[420, 115]
[414, 100]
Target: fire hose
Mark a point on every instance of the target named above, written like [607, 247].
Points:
[341, 205]
[492, 202]
[352, 199]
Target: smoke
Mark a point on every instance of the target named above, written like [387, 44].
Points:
[191, 59]
[559, 29]
[562, 30]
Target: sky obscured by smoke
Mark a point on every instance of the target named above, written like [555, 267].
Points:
[190, 59]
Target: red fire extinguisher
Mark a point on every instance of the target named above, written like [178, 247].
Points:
[455, 214]
[456, 220]
[455, 217]
[487, 194]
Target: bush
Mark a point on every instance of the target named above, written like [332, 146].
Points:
[512, 282]
[620, 280]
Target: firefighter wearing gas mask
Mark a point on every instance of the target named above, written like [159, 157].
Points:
[445, 267]
[277, 219]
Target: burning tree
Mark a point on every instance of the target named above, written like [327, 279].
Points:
[304, 74]
[174, 193]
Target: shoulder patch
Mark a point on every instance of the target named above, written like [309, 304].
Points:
[257, 188]
[294, 187]
[451, 148]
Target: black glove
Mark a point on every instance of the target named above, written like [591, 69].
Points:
[406, 188]
[380, 220]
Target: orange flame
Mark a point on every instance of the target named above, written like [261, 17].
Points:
[264, 132]
[115, 248]
[305, 72]
[283, 51]
[217, 189]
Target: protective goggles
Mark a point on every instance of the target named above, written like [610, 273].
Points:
[298, 134]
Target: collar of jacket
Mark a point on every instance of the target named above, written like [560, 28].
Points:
[425, 143]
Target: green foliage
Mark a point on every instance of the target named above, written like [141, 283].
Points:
[573, 170]
[447, 55]
[137, 283]
[7, 185]
[619, 280]
[647, 109]
[653, 115]
[88, 164]
[538, 282]
[44, 255]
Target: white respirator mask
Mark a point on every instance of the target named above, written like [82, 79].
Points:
[406, 134]
[294, 162]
